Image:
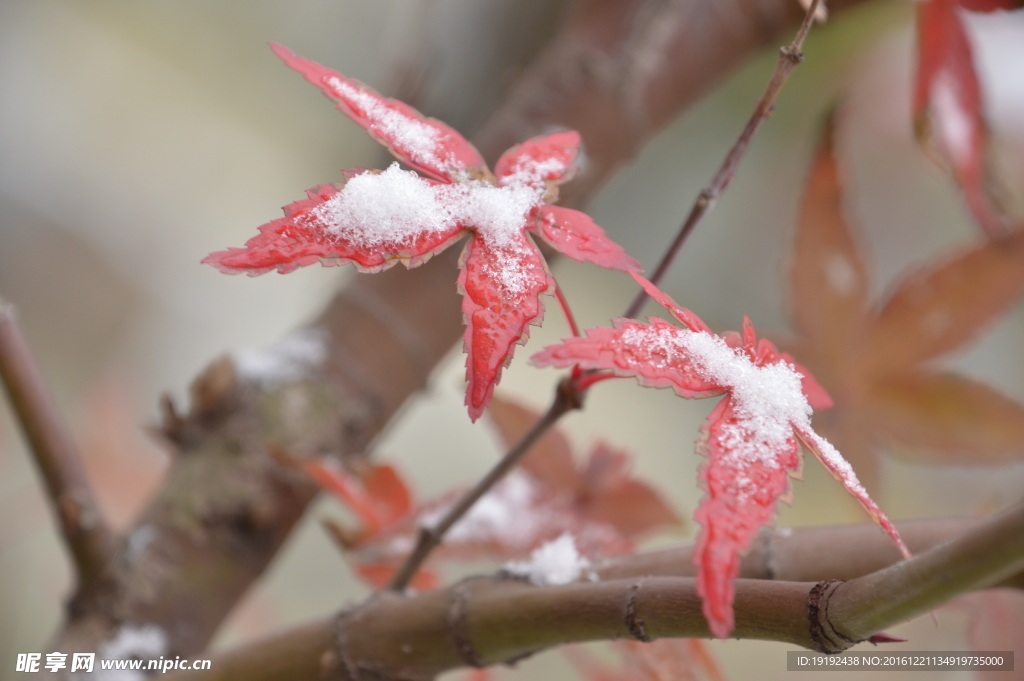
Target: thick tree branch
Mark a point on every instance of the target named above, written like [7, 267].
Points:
[489, 620]
[991, 552]
[81, 522]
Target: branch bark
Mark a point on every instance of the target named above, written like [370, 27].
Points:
[497, 619]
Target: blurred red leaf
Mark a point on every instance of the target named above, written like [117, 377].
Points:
[750, 439]
[996, 623]
[948, 105]
[602, 489]
[601, 505]
[610, 495]
[379, 497]
[375, 219]
[872, 358]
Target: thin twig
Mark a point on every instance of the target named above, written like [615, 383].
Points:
[566, 399]
[570, 390]
[81, 523]
[789, 58]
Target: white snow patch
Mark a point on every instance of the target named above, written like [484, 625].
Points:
[530, 172]
[291, 359]
[392, 208]
[146, 642]
[556, 562]
[768, 400]
[412, 137]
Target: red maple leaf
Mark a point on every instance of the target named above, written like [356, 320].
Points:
[948, 103]
[378, 218]
[750, 439]
[381, 500]
[877, 358]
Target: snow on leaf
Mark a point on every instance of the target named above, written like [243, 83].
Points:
[421, 143]
[376, 219]
[872, 357]
[750, 439]
[499, 301]
[646, 351]
[539, 160]
[948, 106]
[742, 488]
[335, 225]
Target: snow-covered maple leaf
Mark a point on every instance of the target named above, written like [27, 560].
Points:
[948, 103]
[751, 439]
[375, 219]
[876, 357]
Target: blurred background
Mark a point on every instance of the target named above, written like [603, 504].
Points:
[137, 137]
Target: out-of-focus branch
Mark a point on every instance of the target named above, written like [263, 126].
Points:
[81, 523]
[488, 620]
[227, 506]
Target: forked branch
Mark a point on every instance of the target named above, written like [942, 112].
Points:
[81, 523]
